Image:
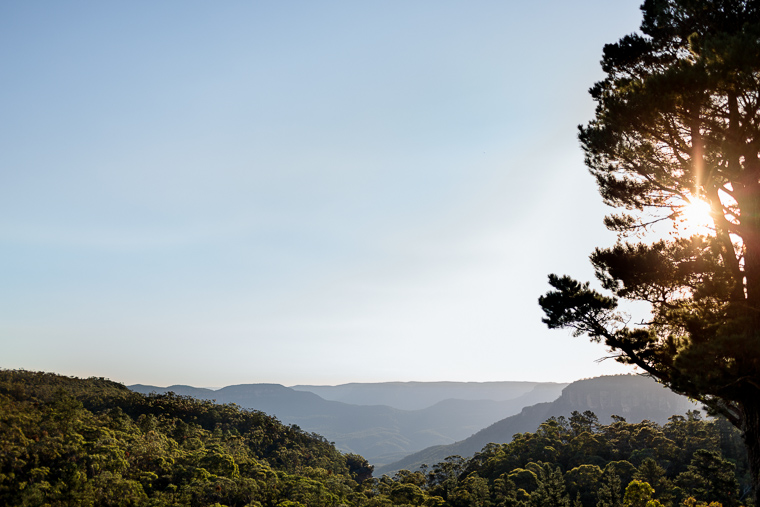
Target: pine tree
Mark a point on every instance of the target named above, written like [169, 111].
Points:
[551, 490]
[678, 124]
[709, 477]
[654, 475]
[609, 493]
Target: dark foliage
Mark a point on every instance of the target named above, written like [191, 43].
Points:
[677, 122]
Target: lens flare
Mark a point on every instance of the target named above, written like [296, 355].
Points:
[695, 218]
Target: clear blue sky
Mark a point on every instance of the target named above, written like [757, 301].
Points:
[213, 193]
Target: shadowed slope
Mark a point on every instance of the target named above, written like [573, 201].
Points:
[630, 396]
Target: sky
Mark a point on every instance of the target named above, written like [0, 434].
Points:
[297, 192]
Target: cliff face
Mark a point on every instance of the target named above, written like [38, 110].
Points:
[632, 397]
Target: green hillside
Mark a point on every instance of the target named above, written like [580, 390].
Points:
[68, 441]
[71, 442]
[381, 433]
[577, 461]
[634, 397]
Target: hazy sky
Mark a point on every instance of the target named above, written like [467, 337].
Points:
[214, 193]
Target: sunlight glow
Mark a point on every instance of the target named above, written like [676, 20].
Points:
[695, 217]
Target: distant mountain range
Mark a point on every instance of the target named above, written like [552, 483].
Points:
[382, 422]
[630, 396]
[418, 395]
[401, 425]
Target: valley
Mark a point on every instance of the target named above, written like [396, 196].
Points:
[440, 418]
[380, 432]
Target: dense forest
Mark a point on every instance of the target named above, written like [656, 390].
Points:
[68, 441]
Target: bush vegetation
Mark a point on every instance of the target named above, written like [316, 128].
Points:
[93, 442]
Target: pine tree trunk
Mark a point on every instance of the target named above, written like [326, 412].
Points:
[751, 435]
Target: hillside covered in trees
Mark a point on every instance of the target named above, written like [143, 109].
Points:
[67, 441]
[577, 461]
[633, 397]
[383, 433]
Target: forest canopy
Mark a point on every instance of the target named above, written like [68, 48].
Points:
[68, 441]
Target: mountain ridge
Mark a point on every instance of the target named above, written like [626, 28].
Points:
[380, 433]
[417, 395]
[630, 396]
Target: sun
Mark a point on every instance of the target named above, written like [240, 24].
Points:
[695, 217]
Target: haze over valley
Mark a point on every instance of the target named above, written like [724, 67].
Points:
[439, 254]
[398, 425]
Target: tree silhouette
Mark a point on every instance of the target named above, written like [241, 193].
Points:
[678, 122]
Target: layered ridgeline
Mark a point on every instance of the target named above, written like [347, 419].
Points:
[419, 395]
[67, 441]
[383, 422]
[633, 397]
